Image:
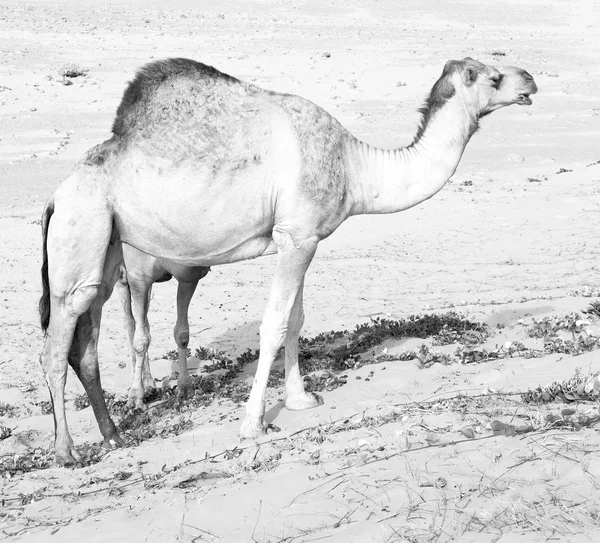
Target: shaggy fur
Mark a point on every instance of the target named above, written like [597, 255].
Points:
[150, 77]
[442, 90]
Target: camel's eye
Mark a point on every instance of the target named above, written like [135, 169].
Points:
[496, 80]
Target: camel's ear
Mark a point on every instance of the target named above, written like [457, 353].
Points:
[470, 75]
[467, 58]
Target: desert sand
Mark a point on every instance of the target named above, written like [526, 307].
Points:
[398, 452]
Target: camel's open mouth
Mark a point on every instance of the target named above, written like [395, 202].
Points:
[524, 100]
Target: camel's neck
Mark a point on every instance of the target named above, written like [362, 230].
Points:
[389, 181]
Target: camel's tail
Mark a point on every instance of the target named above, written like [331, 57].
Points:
[45, 299]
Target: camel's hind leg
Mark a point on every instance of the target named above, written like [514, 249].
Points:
[185, 292]
[77, 229]
[140, 286]
[83, 355]
[54, 363]
[148, 382]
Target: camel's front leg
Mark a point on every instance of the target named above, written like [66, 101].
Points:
[297, 398]
[293, 259]
[185, 292]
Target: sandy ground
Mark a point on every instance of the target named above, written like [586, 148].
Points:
[512, 237]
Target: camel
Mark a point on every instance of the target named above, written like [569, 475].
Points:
[139, 272]
[203, 169]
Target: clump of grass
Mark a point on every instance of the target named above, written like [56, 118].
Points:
[549, 327]
[586, 291]
[115, 406]
[580, 387]
[143, 426]
[446, 328]
[174, 354]
[511, 349]
[45, 407]
[17, 464]
[326, 381]
[73, 70]
[428, 357]
[5, 432]
[7, 410]
[593, 309]
[220, 361]
[81, 401]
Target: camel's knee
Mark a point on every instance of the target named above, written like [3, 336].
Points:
[182, 336]
[141, 341]
[82, 298]
[182, 339]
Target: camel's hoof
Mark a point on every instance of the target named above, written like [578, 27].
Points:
[308, 400]
[135, 401]
[67, 457]
[185, 390]
[253, 428]
[113, 442]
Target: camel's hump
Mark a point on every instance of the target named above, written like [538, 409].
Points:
[151, 75]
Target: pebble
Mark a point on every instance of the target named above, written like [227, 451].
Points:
[515, 157]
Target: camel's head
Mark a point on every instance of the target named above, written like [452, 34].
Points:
[486, 88]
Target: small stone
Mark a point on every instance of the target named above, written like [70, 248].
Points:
[327, 55]
[515, 157]
[468, 432]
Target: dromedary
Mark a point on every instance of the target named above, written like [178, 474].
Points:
[203, 169]
[139, 273]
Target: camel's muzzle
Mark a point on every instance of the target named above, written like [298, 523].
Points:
[524, 100]
[531, 88]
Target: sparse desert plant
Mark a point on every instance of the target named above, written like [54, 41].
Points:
[7, 410]
[73, 70]
[593, 309]
[580, 387]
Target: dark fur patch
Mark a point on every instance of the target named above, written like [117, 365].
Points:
[442, 90]
[151, 76]
[164, 278]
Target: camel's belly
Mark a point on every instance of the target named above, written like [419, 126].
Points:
[195, 247]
